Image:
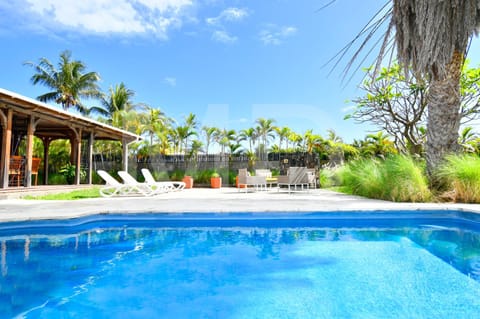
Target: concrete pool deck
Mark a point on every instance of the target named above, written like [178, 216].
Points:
[200, 200]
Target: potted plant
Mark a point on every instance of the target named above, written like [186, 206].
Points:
[215, 180]
[188, 180]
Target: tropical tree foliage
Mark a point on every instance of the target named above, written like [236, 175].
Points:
[69, 82]
[432, 38]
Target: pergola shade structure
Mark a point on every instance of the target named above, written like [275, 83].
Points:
[22, 117]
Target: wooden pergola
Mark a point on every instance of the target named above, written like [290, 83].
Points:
[21, 116]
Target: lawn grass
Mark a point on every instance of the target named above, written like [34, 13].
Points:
[73, 195]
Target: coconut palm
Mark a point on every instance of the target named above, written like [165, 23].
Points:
[68, 82]
[118, 99]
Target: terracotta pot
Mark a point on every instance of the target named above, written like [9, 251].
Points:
[236, 183]
[188, 180]
[215, 182]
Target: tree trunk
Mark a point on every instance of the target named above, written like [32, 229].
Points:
[443, 116]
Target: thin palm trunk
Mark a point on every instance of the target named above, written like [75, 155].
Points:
[443, 115]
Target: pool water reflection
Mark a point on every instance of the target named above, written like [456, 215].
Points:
[267, 267]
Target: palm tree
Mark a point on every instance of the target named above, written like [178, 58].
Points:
[282, 133]
[249, 135]
[191, 126]
[155, 123]
[433, 37]
[69, 83]
[224, 138]
[209, 133]
[311, 141]
[118, 99]
[295, 138]
[265, 131]
[183, 133]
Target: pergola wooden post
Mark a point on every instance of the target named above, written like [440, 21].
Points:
[6, 121]
[29, 152]
[125, 155]
[90, 157]
[46, 158]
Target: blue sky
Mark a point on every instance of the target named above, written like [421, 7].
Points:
[228, 62]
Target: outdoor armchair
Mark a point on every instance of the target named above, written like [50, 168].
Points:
[296, 177]
[245, 180]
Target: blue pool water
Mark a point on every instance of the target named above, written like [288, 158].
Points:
[318, 265]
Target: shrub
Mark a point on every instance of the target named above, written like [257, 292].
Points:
[326, 177]
[398, 178]
[462, 175]
[177, 175]
[160, 176]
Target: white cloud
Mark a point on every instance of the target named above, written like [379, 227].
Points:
[275, 35]
[218, 23]
[230, 14]
[223, 37]
[170, 81]
[155, 17]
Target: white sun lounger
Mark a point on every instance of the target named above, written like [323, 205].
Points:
[172, 185]
[113, 187]
[146, 188]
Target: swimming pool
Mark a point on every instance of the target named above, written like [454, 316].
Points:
[243, 265]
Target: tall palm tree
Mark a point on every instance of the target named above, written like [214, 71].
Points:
[282, 133]
[68, 82]
[209, 133]
[433, 37]
[295, 138]
[183, 133]
[250, 135]
[190, 126]
[224, 138]
[265, 131]
[118, 99]
[155, 123]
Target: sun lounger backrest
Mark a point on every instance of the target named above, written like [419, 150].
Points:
[148, 176]
[127, 178]
[108, 178]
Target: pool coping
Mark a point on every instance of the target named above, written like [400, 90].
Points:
[223, 200]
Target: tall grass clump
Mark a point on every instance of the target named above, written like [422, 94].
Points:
[398, 178]
[462, 175]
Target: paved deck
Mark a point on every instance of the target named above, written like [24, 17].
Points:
[208, 200]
